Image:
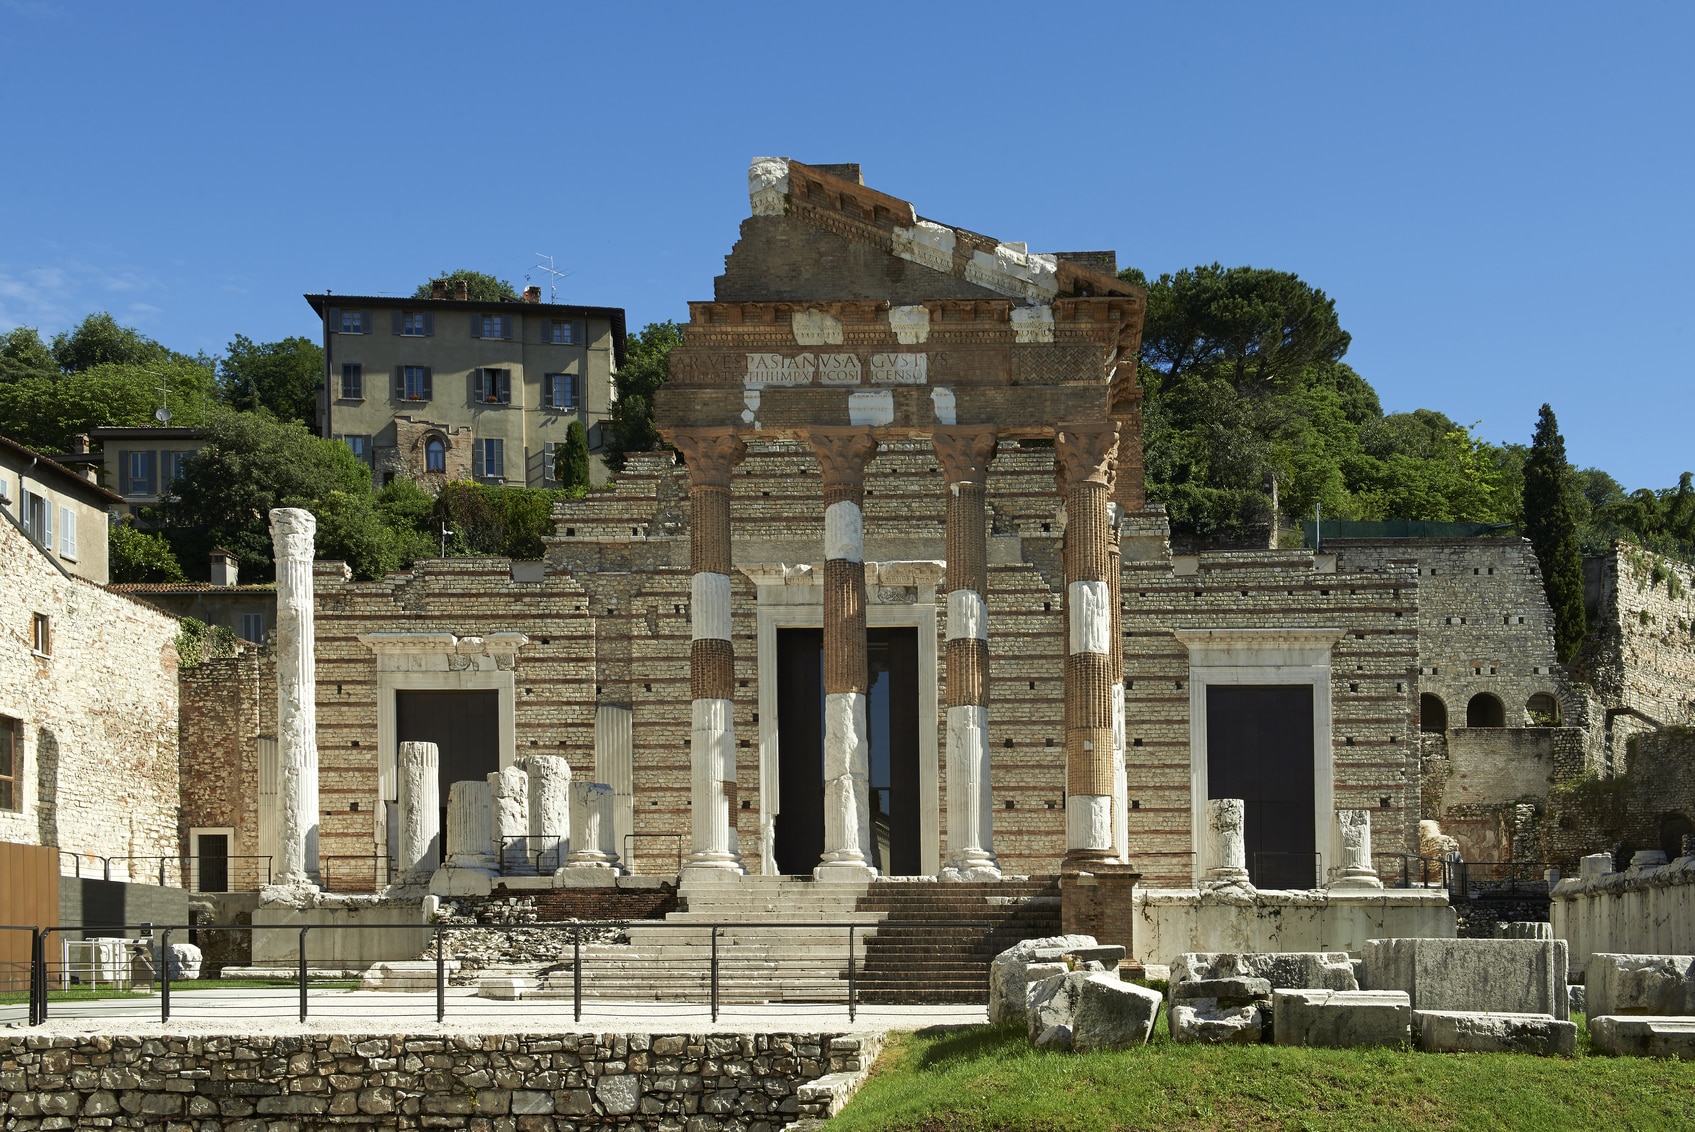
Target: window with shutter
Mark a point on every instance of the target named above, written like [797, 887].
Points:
[352, 381]
[152, 473]
[67, 533]
[47, 524]
[429, 323]
[119, 478]
[429, 384]
[504, 386]
[549, 469]
[476, 326]
[412, 324]
[332, 319]
[477, 459]
[479, 384]
[397, 322]
[494, 460]
[414, 383]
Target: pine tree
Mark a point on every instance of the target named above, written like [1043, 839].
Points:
[1551, 522]
[572, 462]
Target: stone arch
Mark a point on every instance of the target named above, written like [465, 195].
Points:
[1485, 710]
[1432, 713]
[1543, 710]
[1673, 829]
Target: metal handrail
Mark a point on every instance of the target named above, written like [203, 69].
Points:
[675, 838]
[381, 868]
[187, 864]
[538, 859]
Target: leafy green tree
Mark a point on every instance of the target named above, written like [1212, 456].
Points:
[406, 509]
[137, 556]
[480, 286]
[1551, 524]
[99, 340]
[507, 521]
[645, 369]
[571, 459]
[45, 412]
[24, 355]
[282, 377]
[198, 642]
[252, 462]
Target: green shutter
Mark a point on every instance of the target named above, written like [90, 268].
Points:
[332, 319]
[476, 326]
[398, 322]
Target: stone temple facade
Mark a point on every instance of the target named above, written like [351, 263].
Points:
[894, 605]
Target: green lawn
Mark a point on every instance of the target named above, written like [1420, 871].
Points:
[986, 1077]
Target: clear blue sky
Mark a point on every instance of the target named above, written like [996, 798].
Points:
[1497, 195]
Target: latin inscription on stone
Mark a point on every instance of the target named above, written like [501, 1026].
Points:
[775, 369]
[898, 369]
[838, 369]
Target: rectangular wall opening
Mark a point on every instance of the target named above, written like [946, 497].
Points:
[1260, 749]
[464, 726]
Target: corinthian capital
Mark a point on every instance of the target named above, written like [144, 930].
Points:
[964, 451]
[710, 454]
[842, 453]
[292, 533]
[1086, 452]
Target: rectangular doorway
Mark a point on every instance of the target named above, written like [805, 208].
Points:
[464, 726]
[892, 719]
[1260, 749]
[212, 862]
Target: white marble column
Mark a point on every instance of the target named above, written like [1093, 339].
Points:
[419, 843]
[842, 455]
[1227, 857]
[509, 797]
[710, 455]
[550, 810]
[592, 845]
[1354, 828]
[292, 531]
[964, 454]
[470, 827]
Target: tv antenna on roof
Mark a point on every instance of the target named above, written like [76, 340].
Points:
[163, 413]
[553, 283]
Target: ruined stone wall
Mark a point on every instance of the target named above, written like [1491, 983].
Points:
[96, 718]
[1640, 653]
[1649, 806]
[225, 705]
[529, 1082]
[1373, 700]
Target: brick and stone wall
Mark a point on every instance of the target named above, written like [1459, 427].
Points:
[1649, 806]
[96, 719]
[523, 1082]
[1640, 653]
[225, 705]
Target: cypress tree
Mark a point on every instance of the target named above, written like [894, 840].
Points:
[1551, 522]
[572, 461]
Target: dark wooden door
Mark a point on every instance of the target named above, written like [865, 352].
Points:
[212, 855]
[464, 726]
[1260, 749]
[799, 833]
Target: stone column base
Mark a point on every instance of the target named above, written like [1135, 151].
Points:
[968, 873]
[844, 870]
[450, 880]
[585, 876]
[1356, 881]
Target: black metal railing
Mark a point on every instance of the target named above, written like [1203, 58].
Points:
[531, 854]
[734, 960]
[197, 874]
[676, 840]
[1406, 870]
[363, 872]
[1471, 879]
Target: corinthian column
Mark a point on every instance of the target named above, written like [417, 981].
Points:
[711, 455]
[1084, 458]
[842, 455]
[292, 530]
[964, 454]
[1120, 772]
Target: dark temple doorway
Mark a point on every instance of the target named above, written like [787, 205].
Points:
[1260, 749]
[464, 726]
[892, 717]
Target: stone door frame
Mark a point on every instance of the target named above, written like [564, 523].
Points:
[792, 597]
[1261, 656]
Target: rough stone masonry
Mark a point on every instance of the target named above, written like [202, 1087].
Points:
[520, 1082]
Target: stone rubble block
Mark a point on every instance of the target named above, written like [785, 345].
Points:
[1009, 981]
[1461, 1031]
[1235, 988]
[1640, 1036]
[1329, 970]
[1502, 976]
[1334, 1019]
[1090, 1010]
[1210, 1021]
[1640, 984]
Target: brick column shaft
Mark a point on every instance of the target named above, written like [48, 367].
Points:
[964, 454]
[1084, 457]
[711, 456]
[842, 455]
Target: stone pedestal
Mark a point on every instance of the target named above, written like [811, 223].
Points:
[509, 795]
[550, 810]
[1227, 858]
[1354, 828]
[292, 534]
[470, 835]
[419, 842]
[592, 839]
[964, 454]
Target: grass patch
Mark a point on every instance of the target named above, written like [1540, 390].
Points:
[79, 993]
[983, 1078]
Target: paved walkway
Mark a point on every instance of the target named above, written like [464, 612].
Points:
[277, 1010]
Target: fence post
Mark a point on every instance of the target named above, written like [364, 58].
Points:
[715, 972]
[441, 976]
[576, 973]
[165, 975]
[41, 1009]
[853, 978]
[36, 976]
[303, 932]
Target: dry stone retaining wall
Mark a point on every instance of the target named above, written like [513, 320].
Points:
[490, 1082]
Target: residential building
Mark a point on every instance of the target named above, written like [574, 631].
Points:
[140, 463]
[61, 511]
[446, 388]
[247, 611]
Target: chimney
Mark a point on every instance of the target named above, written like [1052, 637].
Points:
[79, 444]
[224, 568]
[532, 294]
[461, 290]
[438, 288]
